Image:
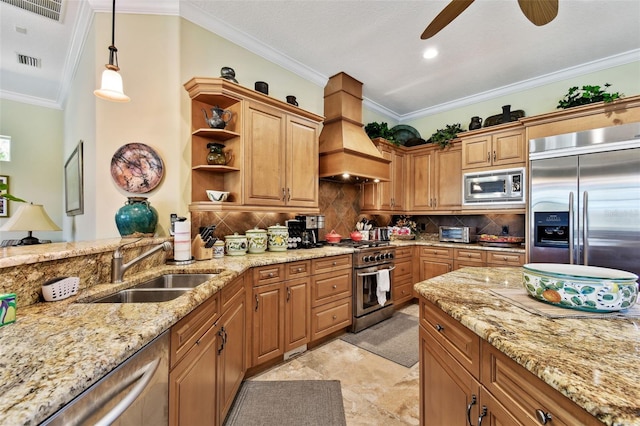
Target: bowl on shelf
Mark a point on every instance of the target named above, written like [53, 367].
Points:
[586, 288]
[217, 196]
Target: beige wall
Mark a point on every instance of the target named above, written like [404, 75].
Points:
[35, 170]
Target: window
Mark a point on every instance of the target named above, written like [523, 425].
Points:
[5, 148]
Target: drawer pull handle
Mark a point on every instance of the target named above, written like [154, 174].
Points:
[439, 327]
[471, 404]
[335, 317]
[299, 270]
[334, 263]
[334, 286]
[543, 417]
[505, 258]
[257, 302]
[270, 274]
[482, 414]
[468, 254]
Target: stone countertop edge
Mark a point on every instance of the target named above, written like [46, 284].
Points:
[56, 350]
[593, 362]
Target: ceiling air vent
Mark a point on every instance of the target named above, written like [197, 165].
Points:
[28, 60]
[47, 8]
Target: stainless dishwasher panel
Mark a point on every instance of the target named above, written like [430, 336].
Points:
[135, 393]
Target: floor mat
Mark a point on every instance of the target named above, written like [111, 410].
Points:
[395, 339]
[288, 402]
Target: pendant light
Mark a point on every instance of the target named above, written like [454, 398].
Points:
[111, 88]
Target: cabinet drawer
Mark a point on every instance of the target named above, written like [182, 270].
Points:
[505, 258]
[403, 252]
[190, 329]
[525, 394]
[230, 291]
[297, 269]
[331, 317]
[268, 274]
[470, 255]
[436, 252]
[462, 343]
[404, 270]
[330, 286]
[332, 263]
[402, 292]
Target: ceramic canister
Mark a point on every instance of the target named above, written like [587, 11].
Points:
[257, 240]
[278, 237]
[236, 244]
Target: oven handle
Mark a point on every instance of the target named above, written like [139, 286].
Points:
[366, 274]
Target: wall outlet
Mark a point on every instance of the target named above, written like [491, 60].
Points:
[423, 226]
[505, 230]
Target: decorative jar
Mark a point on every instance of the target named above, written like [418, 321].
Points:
[257, 240]
[236, 244]
[137, 218]
[278, 237]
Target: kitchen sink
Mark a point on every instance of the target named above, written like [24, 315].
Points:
[143, 295]
[169, 281]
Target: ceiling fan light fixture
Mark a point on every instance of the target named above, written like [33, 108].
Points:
[430, 53]
[111, 87]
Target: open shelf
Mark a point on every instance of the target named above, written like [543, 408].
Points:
[217, 134]
[215, 169]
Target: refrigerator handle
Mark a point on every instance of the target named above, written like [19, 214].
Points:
[571, 221]
[585, 226]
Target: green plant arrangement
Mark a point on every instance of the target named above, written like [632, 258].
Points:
[5, 187]
[585, 95]
[380, 130]
[443, 137]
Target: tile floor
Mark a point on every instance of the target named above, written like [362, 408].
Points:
[375, 391]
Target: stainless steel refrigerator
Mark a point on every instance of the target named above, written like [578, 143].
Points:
[584, 198]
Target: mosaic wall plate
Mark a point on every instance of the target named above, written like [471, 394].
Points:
[137, 168]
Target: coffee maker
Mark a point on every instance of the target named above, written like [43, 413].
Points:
[307, 227]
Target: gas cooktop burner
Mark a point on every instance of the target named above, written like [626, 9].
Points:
[360, 244]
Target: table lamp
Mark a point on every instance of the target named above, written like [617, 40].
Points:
[30, 217]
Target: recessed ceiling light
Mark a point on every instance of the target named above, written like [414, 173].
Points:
[430, 53]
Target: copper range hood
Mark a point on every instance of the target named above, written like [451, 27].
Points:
[347, 154]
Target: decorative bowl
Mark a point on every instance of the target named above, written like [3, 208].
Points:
[333, 237]
[586, 288]
[217, 196]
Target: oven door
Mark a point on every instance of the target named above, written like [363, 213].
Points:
[366, 289]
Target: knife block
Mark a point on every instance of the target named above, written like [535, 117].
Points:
[200, 252]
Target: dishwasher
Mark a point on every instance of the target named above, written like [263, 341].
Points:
[134, 393]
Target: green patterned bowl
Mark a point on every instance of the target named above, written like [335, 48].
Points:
[587, 288]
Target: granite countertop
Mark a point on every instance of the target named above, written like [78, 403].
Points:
[56, 350]
[593, 362]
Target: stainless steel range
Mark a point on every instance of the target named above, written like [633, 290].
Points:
[372, 261]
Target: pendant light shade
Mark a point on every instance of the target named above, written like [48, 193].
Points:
[111, 87]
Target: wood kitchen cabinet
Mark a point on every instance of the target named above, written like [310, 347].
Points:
[435, 261]
[435, 179]
[281, 319]
[403, 281]
[208, 358]
[274, 148]
[464, 378]
[331, 295]
[501, 146]
[387, 196]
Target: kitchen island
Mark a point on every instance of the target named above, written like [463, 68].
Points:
[592, 363]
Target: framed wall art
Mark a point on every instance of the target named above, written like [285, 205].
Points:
[4, 203]
[73, 183]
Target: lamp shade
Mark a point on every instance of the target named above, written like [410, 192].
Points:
[30, 217]
[111, 87]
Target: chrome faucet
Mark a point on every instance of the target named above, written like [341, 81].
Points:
[118, 268]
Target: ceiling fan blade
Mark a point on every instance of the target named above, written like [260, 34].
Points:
[448, 14]
[539, 12]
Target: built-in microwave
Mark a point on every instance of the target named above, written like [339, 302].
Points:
[504, 186]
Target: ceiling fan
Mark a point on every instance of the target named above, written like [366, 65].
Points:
[539, 12]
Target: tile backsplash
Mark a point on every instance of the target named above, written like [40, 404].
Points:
[340, 204]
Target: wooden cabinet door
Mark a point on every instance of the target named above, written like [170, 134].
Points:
[420, 181]
[476, 152]
[265, 157]
[430, 268]
[493, 413]
[268, 323]
[508, 148]
[231, 355]
[302, 163]
[448, 180]
[192, 384]
[297, 313]
[369, 197]
[392, 193]
[449, 395]
[386, 188]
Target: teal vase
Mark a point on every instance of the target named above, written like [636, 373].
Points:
[137, 218]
